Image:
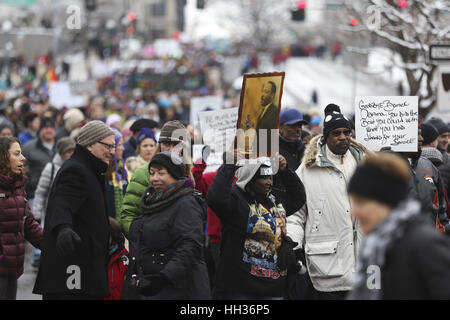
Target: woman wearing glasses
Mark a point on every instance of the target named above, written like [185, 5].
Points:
[169, 140]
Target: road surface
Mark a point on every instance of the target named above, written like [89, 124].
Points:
[26, 281]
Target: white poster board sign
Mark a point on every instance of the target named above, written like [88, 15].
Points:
[387, 122]
[219, 129]
[61, 96]
[88, 87]
[206, 103]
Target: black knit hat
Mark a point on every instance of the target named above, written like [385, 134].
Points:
[47, 122]
[440, 125]
[429, 133]
[143, 123]
[383, 187]
[334, 119]
[171, 161]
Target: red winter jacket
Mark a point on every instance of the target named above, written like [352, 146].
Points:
[16, 223]
[117, 268]
[202, 183]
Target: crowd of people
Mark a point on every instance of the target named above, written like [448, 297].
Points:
[115, 208]
[119, 212]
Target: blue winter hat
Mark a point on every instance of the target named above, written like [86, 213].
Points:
[315, 121]
[291, 116]
[145, 133]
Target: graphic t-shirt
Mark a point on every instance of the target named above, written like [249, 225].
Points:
[265, 231]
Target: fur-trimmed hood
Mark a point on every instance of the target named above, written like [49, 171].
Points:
[314, 156]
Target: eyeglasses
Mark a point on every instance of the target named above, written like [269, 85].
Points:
[109, 146]
[337, 133]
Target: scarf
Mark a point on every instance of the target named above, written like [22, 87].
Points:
[375, 246]
[154, 201]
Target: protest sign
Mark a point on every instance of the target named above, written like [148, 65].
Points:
[219, 130]
[61, 96]
[80, 88]
[206, 103]
[387, 122]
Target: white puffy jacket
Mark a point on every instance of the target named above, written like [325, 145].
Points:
[324, 227]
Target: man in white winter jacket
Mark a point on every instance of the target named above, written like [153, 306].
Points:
[324, 228]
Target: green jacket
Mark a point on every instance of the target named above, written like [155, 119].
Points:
[131, 202]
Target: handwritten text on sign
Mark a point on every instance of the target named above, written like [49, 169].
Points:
[387, 122]
[219, 130]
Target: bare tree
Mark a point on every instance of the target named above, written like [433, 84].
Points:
[408, 31]
[262, 24]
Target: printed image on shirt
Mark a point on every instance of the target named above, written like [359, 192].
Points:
[265, 231]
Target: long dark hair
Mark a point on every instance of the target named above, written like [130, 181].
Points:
[5, 145]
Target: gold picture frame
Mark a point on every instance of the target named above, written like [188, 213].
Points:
[259, 109]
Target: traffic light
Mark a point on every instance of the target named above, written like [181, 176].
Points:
[131, 16]
[201, 4]
[402, 3]
[301, 4]
[298, 15]
[90, 5]
[354, 22]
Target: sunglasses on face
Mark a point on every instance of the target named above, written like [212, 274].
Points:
[109, 146]
[337, 133]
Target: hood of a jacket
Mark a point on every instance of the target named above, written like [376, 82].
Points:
[315, 152]
[248, 170]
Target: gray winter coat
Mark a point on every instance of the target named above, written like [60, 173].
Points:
[425, 184]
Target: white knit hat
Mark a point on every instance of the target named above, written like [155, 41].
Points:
[72, 118]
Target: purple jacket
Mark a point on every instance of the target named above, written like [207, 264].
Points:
[16, 223]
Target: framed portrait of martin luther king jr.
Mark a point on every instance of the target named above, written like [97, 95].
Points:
[259, 112]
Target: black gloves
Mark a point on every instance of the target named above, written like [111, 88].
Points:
[300, 255]
[286, 255]
[66, 241]
[151, 285]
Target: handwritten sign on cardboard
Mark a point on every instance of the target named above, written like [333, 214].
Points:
[387, 122]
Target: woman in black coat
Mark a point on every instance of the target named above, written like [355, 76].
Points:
[402, 256]
[256, 256]
[166, 239]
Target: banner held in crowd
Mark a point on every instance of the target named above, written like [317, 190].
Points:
[206, 103]
[219, 129]
[387, 122]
